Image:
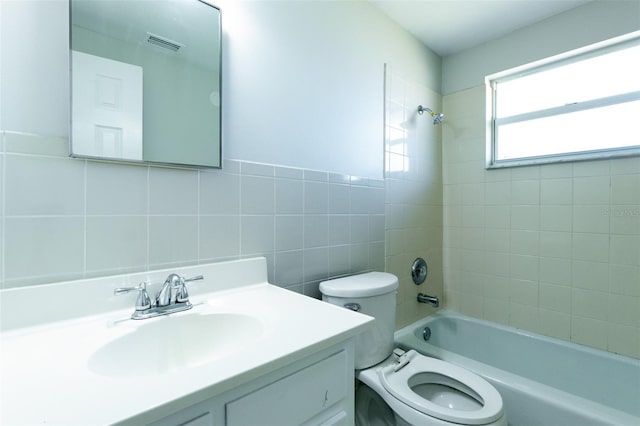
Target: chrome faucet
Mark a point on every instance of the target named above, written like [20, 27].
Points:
[167, 296]
[172, 297]
[432, 300]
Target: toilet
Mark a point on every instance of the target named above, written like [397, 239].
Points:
[406, 388]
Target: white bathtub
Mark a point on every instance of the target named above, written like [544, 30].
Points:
[543, 381]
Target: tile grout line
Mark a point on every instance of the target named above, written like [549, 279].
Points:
[148, 216]
[84, 219]
[2, 211]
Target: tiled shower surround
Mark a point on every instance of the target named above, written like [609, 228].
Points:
[413, 177]
[553, 248]
[66, 218]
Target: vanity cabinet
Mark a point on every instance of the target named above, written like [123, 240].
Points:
[316, 390]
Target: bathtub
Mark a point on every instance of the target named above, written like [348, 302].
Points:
[543, 381]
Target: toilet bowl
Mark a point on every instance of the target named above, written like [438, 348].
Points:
[426, 391]
[406, 388]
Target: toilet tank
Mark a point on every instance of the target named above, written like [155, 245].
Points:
[373, 294]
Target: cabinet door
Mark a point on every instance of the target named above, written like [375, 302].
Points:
[296, 398]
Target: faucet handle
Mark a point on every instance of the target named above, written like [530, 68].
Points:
[143, 302]
[182, 295]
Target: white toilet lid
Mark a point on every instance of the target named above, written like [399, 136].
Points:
[397, 384]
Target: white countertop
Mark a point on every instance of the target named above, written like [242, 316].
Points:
[46, 376]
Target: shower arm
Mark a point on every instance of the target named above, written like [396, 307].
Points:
[421, 110]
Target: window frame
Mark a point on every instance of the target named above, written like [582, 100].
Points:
[492, 123]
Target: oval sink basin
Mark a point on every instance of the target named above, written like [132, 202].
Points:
[175, 342]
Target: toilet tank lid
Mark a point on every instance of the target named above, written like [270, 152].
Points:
[361, 285]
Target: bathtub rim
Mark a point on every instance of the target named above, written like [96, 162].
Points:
[546, 393]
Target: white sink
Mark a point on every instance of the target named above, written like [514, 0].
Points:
[135, 372]
[175, 342]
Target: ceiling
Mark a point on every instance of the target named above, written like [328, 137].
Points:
[450, 26]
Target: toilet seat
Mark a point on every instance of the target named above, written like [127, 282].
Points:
[423, 370]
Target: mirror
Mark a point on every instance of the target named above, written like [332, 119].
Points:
[145, 81]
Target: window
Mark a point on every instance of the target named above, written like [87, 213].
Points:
[580, 105]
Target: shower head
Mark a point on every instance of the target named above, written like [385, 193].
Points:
[437, 116]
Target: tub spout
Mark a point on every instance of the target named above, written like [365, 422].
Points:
[432, 300]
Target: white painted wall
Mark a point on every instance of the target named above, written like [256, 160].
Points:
[588, 24]
[302, 81]
[34, 64]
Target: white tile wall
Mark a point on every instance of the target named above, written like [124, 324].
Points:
[554, 249]
[64, 218]
[413, 171]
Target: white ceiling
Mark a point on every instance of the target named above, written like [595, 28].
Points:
[450, 26]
